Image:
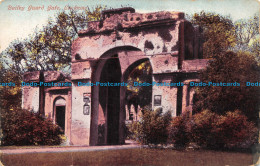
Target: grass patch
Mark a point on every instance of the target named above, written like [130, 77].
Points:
[131, 157]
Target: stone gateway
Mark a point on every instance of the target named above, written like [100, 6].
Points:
[107, 51]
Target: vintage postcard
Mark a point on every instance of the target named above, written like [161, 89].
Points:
[147, 82]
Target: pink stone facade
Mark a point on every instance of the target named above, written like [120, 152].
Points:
[107, 51]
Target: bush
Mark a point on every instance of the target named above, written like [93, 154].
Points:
[177, 130]
[229, 131]
[200, 128]
[235, 131]
[21, 127]
[206, 129]
[152, 129]
[134, 131]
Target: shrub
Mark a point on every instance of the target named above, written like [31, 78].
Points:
[152, 128]
[21, 127]
[235, 131]
[134, 131]
[177, 130]
[229, 131]
[200, 128]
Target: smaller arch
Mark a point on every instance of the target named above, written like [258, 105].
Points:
[59, 101]
[132, 66]
[127, 98]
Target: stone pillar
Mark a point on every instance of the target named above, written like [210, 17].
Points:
[48, 104]
[122, 115]
[182, 46]
[184, 97]
[68, 115]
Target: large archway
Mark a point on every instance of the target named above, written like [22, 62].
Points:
[110, 101]
[108, 104]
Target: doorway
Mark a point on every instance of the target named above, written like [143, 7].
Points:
[60, 117]
[60, 113]
[109, 99]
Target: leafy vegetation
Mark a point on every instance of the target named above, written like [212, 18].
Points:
[234, 58]
[218, 33]
[152, 129]
[206, 129]
[247, 35]
[232, 130]
[178, 131]
[233, 50]
[49, 48]
[230, 67]
[21, 127]
[139, 95]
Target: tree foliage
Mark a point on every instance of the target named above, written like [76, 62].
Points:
[230, 67]
[139, 95]
[218, 33]
[10, 96]
[49, 48]
[231, 60]
[247, 33]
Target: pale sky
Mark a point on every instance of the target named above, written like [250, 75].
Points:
[19, 24]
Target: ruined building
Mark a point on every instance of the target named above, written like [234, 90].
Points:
[107, 51]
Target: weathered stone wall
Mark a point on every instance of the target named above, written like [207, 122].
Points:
[31, 95]
[80, 124]
[30, 99]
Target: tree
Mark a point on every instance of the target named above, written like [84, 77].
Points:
[222, 35]
[218, 33]
[230, 67]
[50, 47]
[247, 32]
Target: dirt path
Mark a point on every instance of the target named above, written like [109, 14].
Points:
[128, 145]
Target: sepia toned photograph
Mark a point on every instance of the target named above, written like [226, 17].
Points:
[116, 82]
[157, 100]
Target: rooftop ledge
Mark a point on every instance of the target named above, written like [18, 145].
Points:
[107, 13]
[126, 18]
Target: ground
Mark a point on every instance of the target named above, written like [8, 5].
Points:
[122, 155]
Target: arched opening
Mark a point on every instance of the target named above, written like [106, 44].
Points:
[108, 104]
[59, 112]
[109, 99]
[138, 93]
